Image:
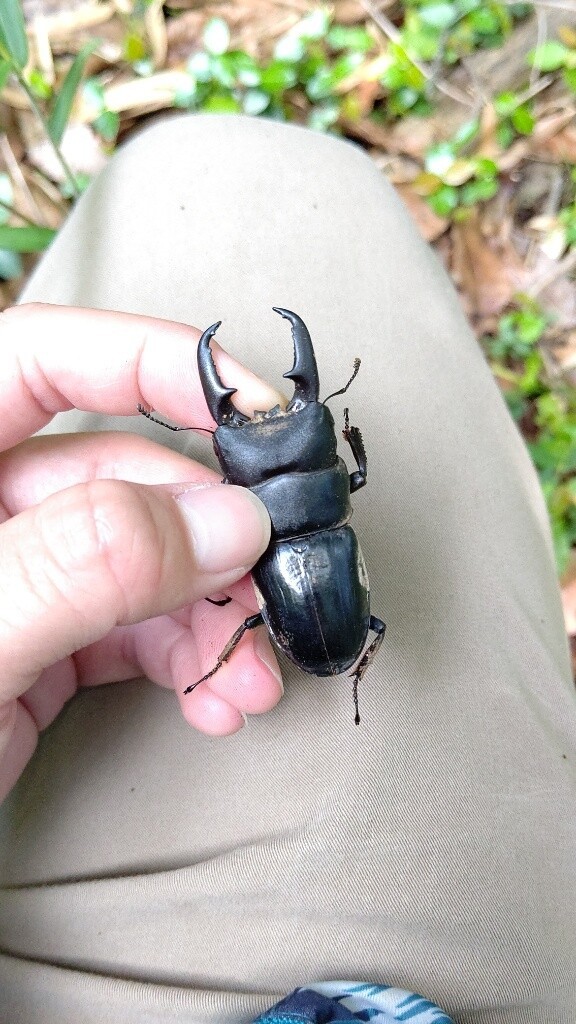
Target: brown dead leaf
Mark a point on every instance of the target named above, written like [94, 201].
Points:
[411, 136]
[560, 357]
[568, 584]
[82, 149]
[550, 282]
[349, 12]
[487, 268]
[367, 131]
[560, 147]
[429, 224]
[184, 35]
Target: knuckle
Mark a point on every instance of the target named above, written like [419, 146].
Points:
[104, 537]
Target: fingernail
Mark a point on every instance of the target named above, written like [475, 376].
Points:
[264, 652]
[229, 526]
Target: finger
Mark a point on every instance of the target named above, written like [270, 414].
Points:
[109, 553]
[54, 358]
[169, 650]
[174, 654]
[41, 466]
[250, 681]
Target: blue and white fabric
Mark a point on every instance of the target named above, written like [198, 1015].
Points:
[336, 1001]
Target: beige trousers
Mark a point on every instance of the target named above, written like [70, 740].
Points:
[153, 874]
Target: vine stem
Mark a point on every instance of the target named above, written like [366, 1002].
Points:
[44, 122]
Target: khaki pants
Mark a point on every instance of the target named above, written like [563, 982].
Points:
[154, 874]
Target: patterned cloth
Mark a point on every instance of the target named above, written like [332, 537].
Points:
[336, 1001]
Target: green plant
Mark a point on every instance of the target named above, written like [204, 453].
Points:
[556, 56]
[314, 57]
[545, 411]
[515, 117]
[451, 181]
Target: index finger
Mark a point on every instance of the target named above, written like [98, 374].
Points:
[55, 358]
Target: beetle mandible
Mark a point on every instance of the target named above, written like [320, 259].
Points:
[311, 582]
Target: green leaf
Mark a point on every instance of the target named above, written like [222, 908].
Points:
[32, 238]
[440, 158]
[200, 66]
[466, 133]
[93, 95]
[216, 36]
[478, 191]
[5, 70]
[10, 265]
[486, 168]
[444, 201]
[314, 26]
[550, 56]
[255, 102]
[278, 77]
[505, 103]
[324, 116]
[40, 87]
[107, 124]
[523, 120]
[60, 112]
[134, 47]
[13, 40]
[289, 48]
[353, 37]
[439, 16]
[222, 103]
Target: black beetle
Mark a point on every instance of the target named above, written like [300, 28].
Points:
[311, 582]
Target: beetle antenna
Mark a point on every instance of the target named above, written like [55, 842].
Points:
[346, 386]
[146, 412]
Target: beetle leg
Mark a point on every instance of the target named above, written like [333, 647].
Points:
[354, 438]
[250, 623]
[378, 627]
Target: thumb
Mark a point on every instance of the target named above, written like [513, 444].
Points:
[108, 553]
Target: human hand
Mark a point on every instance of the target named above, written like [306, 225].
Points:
[109, 542]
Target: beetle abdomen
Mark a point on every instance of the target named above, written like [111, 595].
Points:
[303, 503]
[318, 621]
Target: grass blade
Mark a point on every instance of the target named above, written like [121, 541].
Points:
[27, 239]
[63, 104]
[13, 39]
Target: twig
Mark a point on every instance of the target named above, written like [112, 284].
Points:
[542, 33]
[59, 155]
[16, 173]
[552, 5]
[564, 266]
[390, 30]
[16, 213]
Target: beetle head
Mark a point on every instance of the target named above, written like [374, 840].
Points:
[304, 373]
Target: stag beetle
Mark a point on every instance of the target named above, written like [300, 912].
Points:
[311, 582]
